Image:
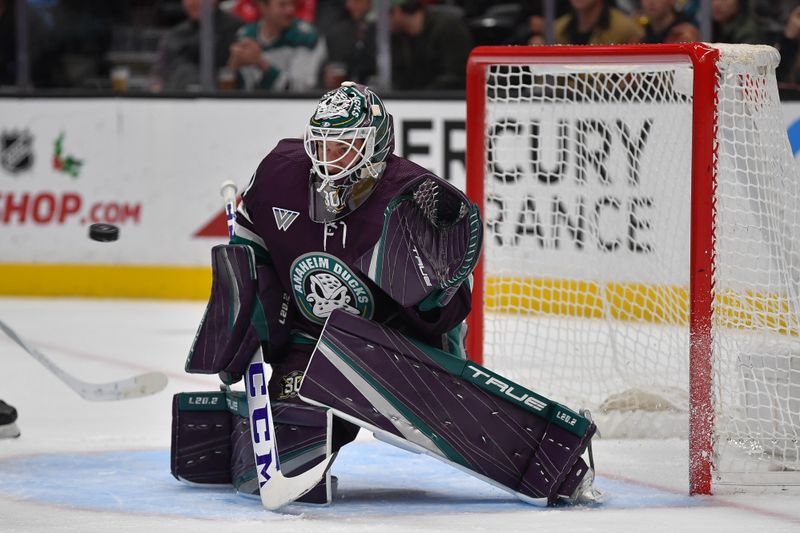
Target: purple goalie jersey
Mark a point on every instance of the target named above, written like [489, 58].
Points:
[316, 262]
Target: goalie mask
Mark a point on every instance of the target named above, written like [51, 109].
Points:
[348, 140]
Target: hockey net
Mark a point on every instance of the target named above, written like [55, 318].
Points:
[642, 247]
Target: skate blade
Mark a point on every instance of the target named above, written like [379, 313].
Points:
[9, 431]
[591, 496]
[586, 493]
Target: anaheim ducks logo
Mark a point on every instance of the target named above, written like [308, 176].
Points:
[322, 283]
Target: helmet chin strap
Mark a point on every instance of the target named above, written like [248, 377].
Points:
[325, 181]
[375, 170]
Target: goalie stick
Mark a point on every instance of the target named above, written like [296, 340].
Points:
[135, 387]
[275, 489]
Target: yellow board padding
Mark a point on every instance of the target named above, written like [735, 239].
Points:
[587, 299]
[637, 302]
[106, 281]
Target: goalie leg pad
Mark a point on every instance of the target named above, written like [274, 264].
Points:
[301, 434]
[452, 409]
[201, 438]
[211, 441]
[287, 375]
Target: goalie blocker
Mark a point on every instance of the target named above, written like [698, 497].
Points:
[426, 400]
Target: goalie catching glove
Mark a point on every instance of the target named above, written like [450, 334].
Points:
[429, 245]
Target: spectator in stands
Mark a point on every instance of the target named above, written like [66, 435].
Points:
[596, 22]
[788, 44]
[279, 52]
[773, 15]
[685, 32]
[664, 23]
[529, 27]
[83, 31]
[328, 14]
[733, 23]
[690, 9]
[306, 10]
[351, 43]
[177, 67]
[246, 10]
[477, 8]
[429, 47]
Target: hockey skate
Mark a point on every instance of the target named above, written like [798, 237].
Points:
[586, 493]
[8, 417]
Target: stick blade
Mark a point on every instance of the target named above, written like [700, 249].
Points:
[289, 489]
[128, 389]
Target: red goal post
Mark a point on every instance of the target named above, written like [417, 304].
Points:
[561, 91]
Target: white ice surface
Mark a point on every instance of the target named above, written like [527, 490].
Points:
[82, 466]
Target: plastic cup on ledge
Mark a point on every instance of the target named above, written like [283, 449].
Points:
[119, 78]
[226, 80]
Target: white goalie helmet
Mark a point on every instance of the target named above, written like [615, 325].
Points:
[348, 140]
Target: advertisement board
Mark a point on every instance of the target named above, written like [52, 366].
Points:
[153, 167]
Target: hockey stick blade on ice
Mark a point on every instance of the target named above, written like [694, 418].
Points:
[135, 387]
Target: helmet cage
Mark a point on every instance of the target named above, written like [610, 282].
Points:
[336, 153]
[348, 140]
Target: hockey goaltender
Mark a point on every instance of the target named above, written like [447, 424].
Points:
[348, 273]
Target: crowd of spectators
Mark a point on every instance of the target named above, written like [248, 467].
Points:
[305, 45]
[177, 63]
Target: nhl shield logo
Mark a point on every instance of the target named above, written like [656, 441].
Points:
[16, 150]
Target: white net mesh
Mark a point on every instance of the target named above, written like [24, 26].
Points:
[756, 343]
[587, 210]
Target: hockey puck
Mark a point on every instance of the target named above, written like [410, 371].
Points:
[103, 232]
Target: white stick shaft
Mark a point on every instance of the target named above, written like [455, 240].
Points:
[228, 192]
[135, 387]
